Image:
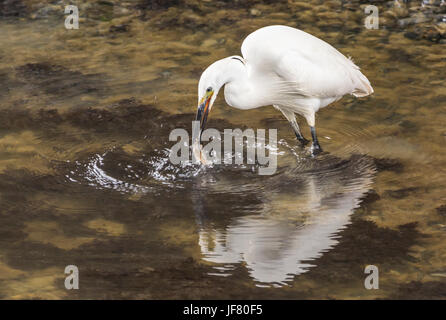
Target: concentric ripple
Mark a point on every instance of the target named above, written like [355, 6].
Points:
[276, 225]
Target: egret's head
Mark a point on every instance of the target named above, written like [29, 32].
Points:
[212, 80]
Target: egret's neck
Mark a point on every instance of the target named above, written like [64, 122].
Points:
[240, 91]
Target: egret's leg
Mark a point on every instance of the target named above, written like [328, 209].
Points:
[316, 147]
[291, 117]
[297, 132]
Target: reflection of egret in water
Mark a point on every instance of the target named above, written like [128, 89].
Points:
[300, 214]
[277, 225]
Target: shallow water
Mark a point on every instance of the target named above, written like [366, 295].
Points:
[85, 176]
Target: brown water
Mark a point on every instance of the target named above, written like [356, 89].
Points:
[85, 177]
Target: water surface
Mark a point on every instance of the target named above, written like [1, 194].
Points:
[85, 177]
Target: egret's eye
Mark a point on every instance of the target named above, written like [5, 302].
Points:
[209, 89]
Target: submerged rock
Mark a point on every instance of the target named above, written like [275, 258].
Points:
[442, 210]
[400, 193]
[57, 80]
[13, 8]
[386, 164]
[119, 28]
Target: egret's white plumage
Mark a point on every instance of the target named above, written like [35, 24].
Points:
[287, 68]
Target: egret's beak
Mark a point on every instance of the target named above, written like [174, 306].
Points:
[204, 106]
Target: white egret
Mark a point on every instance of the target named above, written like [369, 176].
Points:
[284, 67]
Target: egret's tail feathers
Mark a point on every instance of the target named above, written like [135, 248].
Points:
[364, 88]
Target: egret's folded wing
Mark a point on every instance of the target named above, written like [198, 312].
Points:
[317, 75]
[303, 64]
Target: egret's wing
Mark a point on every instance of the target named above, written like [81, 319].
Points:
[316, 75]
[304, 64]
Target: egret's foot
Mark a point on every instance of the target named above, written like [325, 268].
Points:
[316, 149]
[302, 140]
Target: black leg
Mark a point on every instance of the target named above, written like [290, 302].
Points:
[301, 138]
[298, 134]
[291, 117]
[315, 147]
